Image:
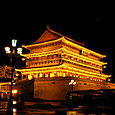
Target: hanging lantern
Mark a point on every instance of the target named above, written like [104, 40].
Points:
[31, 59]
[76, 75]
[80, 76]
[17, 74]
[54, 55]
[104, 66]
[71, 75]
[46, 74]
[109, 79]
[52, 74]
[23, 59]
[64, 75]
[101, 80]
[29, 77]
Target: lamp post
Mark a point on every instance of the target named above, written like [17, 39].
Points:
[72, 82]
[12, 51]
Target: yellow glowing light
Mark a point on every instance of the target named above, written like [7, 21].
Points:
[64, 75]
[9, 83]
[82, 57]
[52, 75]
[82, 64]
[14, 91]
[80, 47]
[72, 82]
[14, 110]
[7, 49]
[88, 62]
[17, 74]
[29, 77]
[66, 68]
[14, 102]
[67, 42]
[74, 55]
[46, 75]
[109, 79]
[14, 83]
[14, 43]
[104, 66]
[19, 51]
[23, 59]
[40, 75]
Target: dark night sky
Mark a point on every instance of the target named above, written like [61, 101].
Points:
[92, 25]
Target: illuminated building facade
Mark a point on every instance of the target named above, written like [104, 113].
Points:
[55, 59]
[5, 71]
[5, 74]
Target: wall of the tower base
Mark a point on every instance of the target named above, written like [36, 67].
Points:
[57, 88]
[51, 88]
[26, 87]
[28, 90]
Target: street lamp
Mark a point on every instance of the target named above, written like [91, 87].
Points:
[7, 49]
[12, 52]
[72, 82]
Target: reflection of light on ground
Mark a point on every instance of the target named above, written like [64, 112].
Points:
[14, 110]
[72, 113]
[14, 102]
[14, 113]
[81, 110]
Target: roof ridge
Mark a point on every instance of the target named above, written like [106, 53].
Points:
[47, 35]
[56, 33]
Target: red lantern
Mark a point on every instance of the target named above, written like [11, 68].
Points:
[31, 59]
[80, 76]
[54, 55]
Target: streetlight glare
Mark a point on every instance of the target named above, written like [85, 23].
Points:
[74, 83]
[19, 51]
[14, 91]
[70, 83]
[7, 49]
[14, 102]
[14, 110]
[14, 43]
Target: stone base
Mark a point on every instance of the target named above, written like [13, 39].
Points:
[57, 88]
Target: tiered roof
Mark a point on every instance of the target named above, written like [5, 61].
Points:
[50, 35]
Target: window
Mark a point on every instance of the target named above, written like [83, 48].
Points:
[85, 83]
[53, 82]
[24, 76]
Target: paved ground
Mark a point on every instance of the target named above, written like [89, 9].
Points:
[36, 108]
